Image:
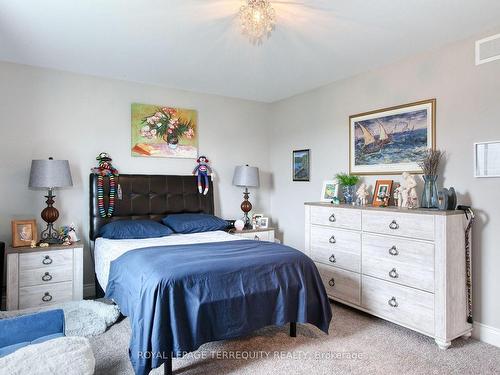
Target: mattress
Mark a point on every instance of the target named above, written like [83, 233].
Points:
[107, 250]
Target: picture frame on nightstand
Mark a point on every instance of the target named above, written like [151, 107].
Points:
[263, 223]
[24, 232]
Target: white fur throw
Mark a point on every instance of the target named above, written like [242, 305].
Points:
[82, 318]
[61, 356]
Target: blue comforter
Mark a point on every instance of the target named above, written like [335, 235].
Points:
[179, 297]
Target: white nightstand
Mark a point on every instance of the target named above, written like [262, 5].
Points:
[43, 276]
[266, 234]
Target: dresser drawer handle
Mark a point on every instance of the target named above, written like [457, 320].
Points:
[393, 273]
[393, 251]
[256, 238]
[332, 258]
[331, 282]
[393, 302]
[394, 225]
[332, 218]
[47, 277]
[47, 297]
[47, 260]
[332, 239]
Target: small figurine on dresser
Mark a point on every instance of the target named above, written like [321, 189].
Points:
[398, 197]
[362, 194]
[203, 170]
[408, 191]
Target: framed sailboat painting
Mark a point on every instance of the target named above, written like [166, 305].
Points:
[391, 140]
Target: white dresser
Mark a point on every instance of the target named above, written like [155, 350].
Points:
[43, 276]
[406, 266]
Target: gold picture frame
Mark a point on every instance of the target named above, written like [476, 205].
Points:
[385, 141]
[24, 232]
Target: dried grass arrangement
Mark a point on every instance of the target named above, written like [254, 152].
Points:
[430, 162]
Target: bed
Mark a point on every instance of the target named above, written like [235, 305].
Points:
[182, 291]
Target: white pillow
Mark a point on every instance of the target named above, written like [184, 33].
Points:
[61, 356]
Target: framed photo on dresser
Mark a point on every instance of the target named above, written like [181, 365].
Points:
[382, 193]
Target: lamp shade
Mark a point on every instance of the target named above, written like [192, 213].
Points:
[246, 176]
[50, 174]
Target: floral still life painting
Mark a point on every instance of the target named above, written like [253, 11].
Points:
[392, 140]
[164, 132]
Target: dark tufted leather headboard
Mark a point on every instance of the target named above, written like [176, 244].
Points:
[149, 197]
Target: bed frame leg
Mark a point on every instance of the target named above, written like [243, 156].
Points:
[167, 366]
[293, 329]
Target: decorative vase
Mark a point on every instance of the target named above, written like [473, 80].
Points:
[348, 192]
[430, 193]
[172, 141]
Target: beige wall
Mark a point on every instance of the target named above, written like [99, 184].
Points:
[468, 110]
[49, 113]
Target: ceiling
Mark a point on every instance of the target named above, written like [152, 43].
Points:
[196, 45]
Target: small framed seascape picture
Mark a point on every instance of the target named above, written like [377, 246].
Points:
[330, 190]
[301, 164]
[382, 193]
[24, 232]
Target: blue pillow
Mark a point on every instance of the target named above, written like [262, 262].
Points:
[194, 223]
[128, 229]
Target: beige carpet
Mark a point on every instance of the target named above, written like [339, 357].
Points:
[357, 344]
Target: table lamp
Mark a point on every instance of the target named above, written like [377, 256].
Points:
[50, 174]
[246, 177]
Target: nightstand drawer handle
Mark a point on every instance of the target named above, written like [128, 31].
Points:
[256, 238]
[331, 282]
[394, 225]
[393, 250]
[47, 277]
[332, 239]
[332, 258]
[392, 302]
[47, 260]
[393, 274]
[332, 218]
[47, 297]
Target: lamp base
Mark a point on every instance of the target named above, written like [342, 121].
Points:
[50, 235]
[50, 215]
[246, 207]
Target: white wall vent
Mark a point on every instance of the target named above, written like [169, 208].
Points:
[488, 49]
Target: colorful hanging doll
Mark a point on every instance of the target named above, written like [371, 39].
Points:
[105, 169]
[203, 170]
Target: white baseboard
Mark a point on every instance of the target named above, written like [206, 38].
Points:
[487, 334]
[88, 290]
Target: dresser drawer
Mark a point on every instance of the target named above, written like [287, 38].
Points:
[399, 260]
[336, 217]
[399, 224]
[53, 258]
[257, 236]
[336, 247]
[41, 295]
[400, 304]
[46, 275]
[341, 284]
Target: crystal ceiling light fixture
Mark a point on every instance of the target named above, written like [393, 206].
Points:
[257, 19]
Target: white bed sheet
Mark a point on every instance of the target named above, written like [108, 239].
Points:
[107, 250]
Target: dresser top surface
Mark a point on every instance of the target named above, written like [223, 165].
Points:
[28, 249]
[421, 211]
